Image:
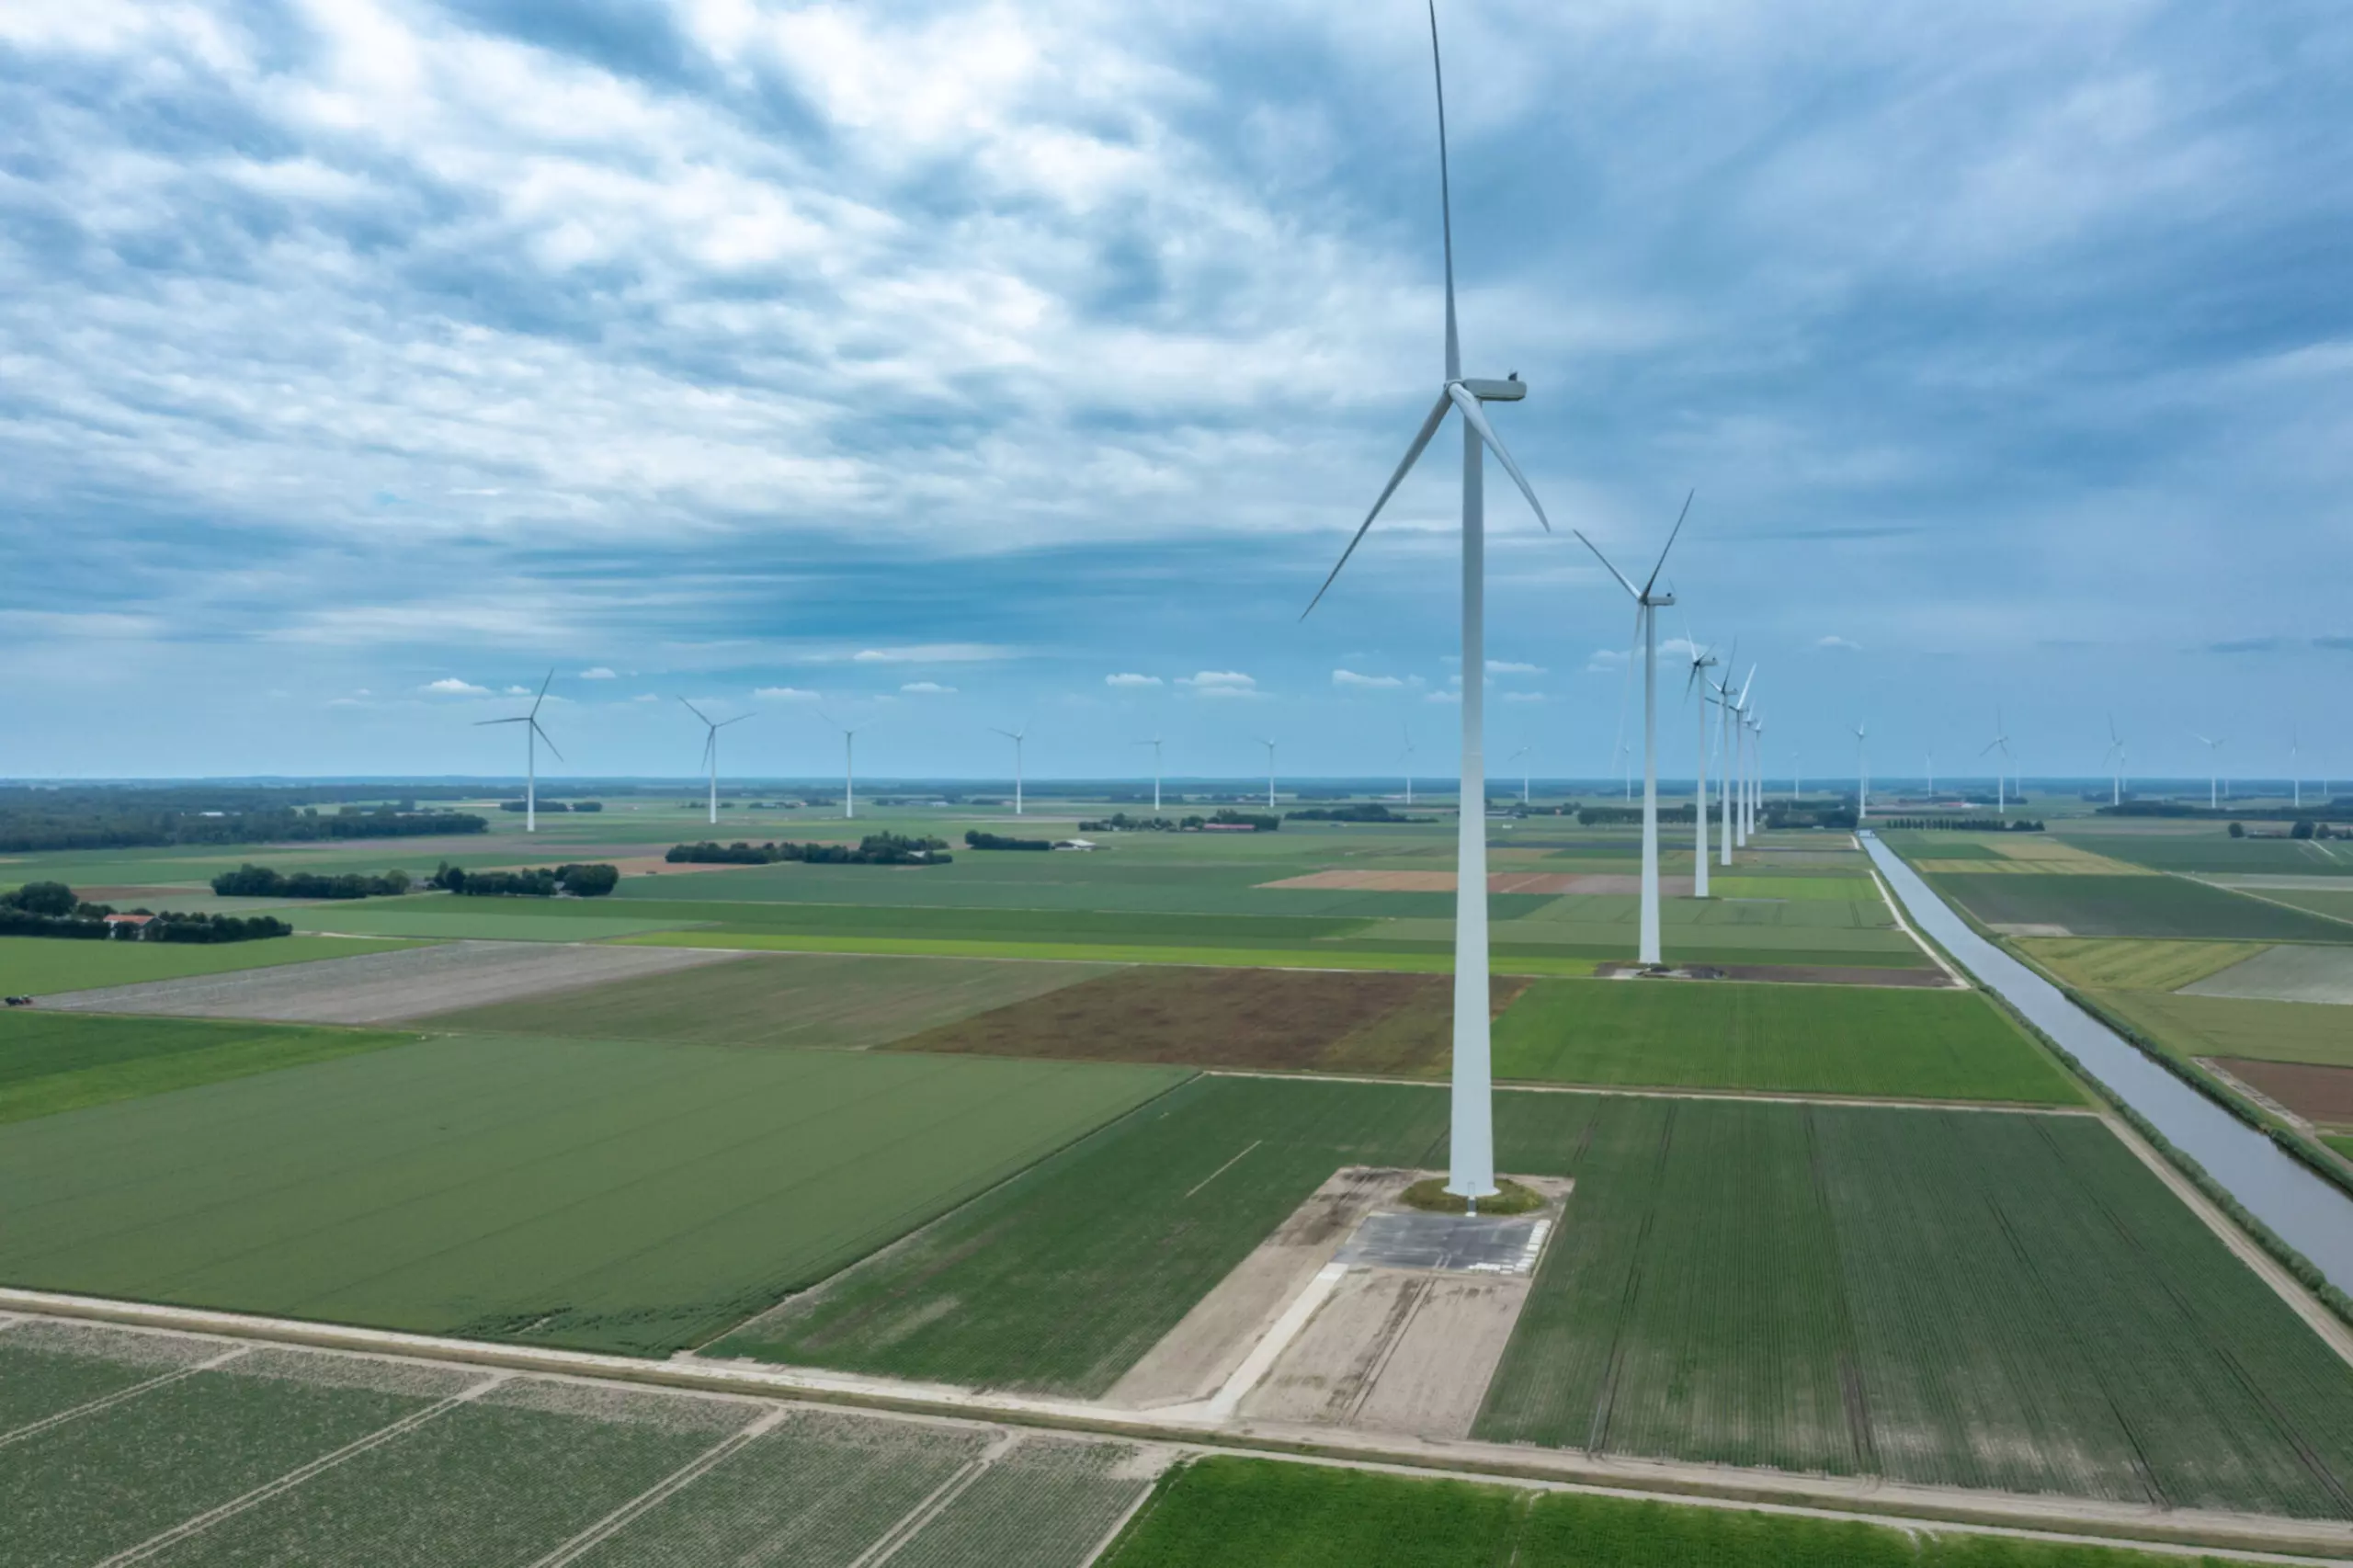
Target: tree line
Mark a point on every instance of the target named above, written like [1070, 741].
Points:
[250, 881]
[978, 840]
[874, 849]
[35, 820]
[52, 909]
[540, 882]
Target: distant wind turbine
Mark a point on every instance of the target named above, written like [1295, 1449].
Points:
[1471, 1150]
[1703, 662]
[1648, 602]
[1727, 707]
[2296, 766]
[2001, 742]
[532, 736]
[1520, 756]
[1406, 756]
[1932, 773]
[2213, 774]
[2115, 759]
[1155, 745]
[1017, 737]
[1270, 773]
[1862, 775]
[850, 767]
[711, 748]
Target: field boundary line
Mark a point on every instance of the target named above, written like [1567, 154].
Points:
[1638, 1091]
[1887, 897]
[302, 1474]
[912, 1523]
[2257, 895]
[1222, 1169]
[1871, 1499]
[677, 1480]
[1129, 1515]
[91, 1407]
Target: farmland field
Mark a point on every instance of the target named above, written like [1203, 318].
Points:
[2215, 853]
[312, 1457]
[2230, 1026]
[2318, 901]
[2301, 973]
[593, 1194]
[846, 1002]
[1223, 1511]
[447, 920]
[2131, 906]
[1296, 1019]
[2126, 964]
[1406, 957]
[43, 966]
[1800, 1039]
[57, 1061]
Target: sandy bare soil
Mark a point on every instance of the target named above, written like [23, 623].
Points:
[1550, 884]
[376, 988]
[1808, 974]
[1193, 1360]
[1395, 1350]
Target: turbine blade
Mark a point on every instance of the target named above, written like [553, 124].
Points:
[1413, 454]
[543, 736]
[543, 697]
[737, 720]
[694, 710]
[479, 722]
[1478, 418]
[1445, 204]
[1670, 540]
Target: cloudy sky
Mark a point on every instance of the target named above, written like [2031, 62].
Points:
[945, 367]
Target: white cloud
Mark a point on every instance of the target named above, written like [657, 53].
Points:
[1443, 697]
[1834, 640]
[646, 696]
[1128, 678]
[451, 686]
[930, 654]
[518, 691]
[784, 694]
[1523, 696]
[1605, 660]
[928, 688]
[1220, 683]
[1351, 680]
[599, 673]
[1507, 667]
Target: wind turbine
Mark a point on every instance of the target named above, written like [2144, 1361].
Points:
[1701, 663]
[1520, 756]
[2115, 759]
[1017, 737]
[2213, 777]
[1406, 756]
[711, 749]
[1155, 745]
[850, 767]
[1862, 776]
[1728, 707]
[2001, 778]
[2295, 766]
[1932, 773]
[1648, 602]
[1270, 771]
[532, 737]
[1472, 1172]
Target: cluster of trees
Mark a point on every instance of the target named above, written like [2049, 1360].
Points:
[519, 807]
[874, 849]
[250, 881]
[50, 909]
[1256, 822]
[1598, 816]
[1373, 811]
[2304, 828]
[579, 881]
[35, 820]
[1784, 813]
[977, 840]
[1961, 824]
[1119, 821]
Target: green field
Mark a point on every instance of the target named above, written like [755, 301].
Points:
[457, 920]
[1221, 1510]
[2189, 1025]
[1784, 1038]
[58, 1062]
[2125, 964]
[593, 1194]
[1422, 958]
[2132, 906]
[2319, 901]
[2214, 853]
[43, 966]
[838, 1002]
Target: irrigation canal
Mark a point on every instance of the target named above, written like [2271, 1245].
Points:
[2309, 1213]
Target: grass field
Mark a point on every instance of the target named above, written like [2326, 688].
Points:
[593, 1194]
[2232, 1025]
[1981, 1299]
[1420, 958]
[1786, 1038]
[1291, 1019]
[2214, 852]
[2292, 973]
[834, 1001]
[455, 920]
[59, 1061]
[2318, 901]
[2127, 964]
[2132, 906]
[1221, 1510]
[41, 966]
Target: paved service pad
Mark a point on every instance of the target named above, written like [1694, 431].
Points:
[1462, 1244]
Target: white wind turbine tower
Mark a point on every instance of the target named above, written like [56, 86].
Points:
[711, 749]
[532, 736]
[1701, 663]
[1862, 776]
[1648, 602]
[1017, 737]
[1270, 745]
[1520, 756]
[1404, 756]
[1757, 773]
[1728, 707]
[2295, 766]
[850, 767]
[2214, 775]
[1932, 773]
[2115, 760]
[1472, 1173]
[1155, 745]
[2000, 742]
[1747, 734]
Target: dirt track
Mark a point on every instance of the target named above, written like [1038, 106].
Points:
[376, 988]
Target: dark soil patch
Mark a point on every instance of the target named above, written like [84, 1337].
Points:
[1799, 974]
[2317, 1094]
[1301, 1020]
[1510, 1198]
